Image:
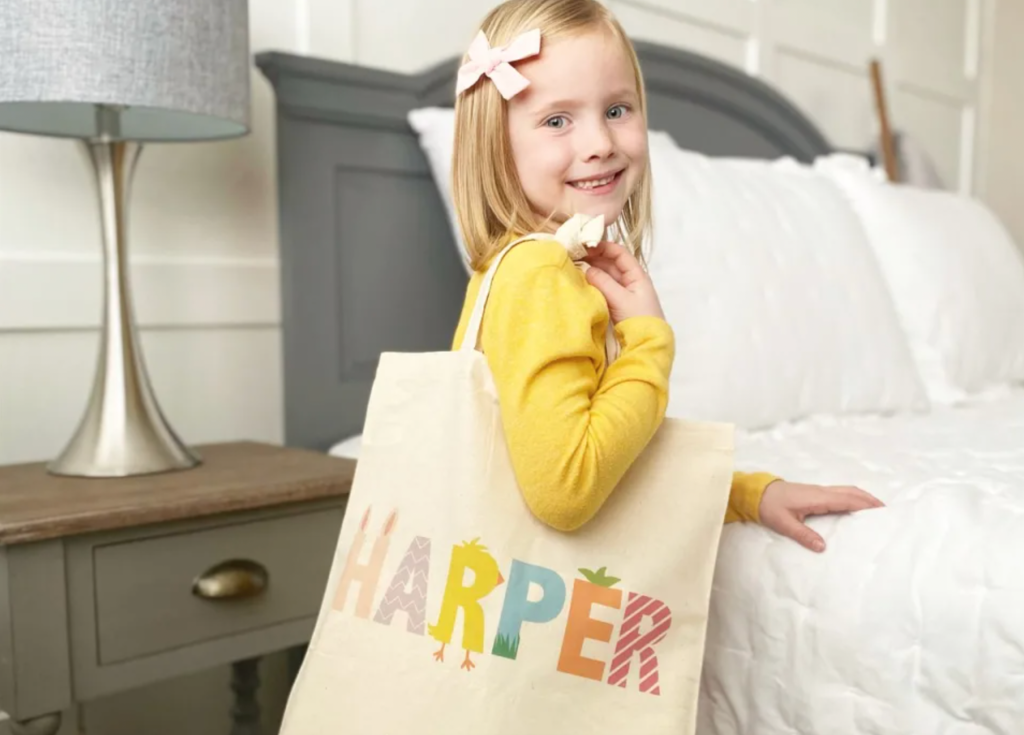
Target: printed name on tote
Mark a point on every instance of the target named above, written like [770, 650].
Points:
[644, 623]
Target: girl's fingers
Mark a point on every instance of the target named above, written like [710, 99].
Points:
[608, 266]
[608, 286]
[831, 501]
[624, 260]
[792, 527]
[856, 492]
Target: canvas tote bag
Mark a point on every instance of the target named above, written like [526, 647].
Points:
[450, 609]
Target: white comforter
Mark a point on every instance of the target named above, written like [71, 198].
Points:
[912, 622]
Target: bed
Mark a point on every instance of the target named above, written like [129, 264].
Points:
[854, 332]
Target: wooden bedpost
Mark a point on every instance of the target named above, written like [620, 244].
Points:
[888, 144]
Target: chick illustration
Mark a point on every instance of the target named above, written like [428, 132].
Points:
[486, 576]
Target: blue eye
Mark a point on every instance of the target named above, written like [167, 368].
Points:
[557, 122]
[617, 112]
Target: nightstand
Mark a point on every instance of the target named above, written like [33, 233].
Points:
[109, 584]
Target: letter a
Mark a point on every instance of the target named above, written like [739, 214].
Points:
[408, 589]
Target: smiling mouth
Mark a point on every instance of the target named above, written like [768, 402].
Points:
[597, 184]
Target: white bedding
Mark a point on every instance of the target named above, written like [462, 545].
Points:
[851, 299]
[912, 622]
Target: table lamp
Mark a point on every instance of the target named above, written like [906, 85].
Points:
[115, 76]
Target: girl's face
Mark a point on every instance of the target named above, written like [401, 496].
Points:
[578, 139]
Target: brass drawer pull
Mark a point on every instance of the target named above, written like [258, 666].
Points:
[231, 580]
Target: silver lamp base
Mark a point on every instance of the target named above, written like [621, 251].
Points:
[123, 431]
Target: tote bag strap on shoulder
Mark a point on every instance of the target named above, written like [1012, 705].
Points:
[471, 339]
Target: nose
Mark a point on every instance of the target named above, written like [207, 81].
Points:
[597, 143]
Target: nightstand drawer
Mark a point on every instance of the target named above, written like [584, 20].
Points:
[270, 572]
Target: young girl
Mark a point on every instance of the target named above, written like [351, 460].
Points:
[551, 121]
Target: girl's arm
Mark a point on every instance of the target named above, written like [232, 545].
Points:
[745, 499]
[571, 435]
[628, 290]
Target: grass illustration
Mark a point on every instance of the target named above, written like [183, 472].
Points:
[505, 647]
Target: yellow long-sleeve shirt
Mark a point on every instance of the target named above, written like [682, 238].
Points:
[573, 424]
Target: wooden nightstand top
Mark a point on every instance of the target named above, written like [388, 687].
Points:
[36, 505]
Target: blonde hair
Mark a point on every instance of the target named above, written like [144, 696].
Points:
[489, 199]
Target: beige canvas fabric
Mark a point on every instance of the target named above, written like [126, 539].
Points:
[451, 609]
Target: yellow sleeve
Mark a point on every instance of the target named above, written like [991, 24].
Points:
[745, 497]
[571, 433]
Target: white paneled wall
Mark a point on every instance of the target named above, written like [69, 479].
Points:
[204, 251]
[817, 53]
[1001, 166]
[203, 228]
[723, 33]
[204, 224]
[932, 49]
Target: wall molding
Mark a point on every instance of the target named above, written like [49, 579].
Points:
[56, 291]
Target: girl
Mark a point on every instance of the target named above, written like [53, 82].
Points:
[551, 121]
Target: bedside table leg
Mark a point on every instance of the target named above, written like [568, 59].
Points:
[245, 681]
[45, 725]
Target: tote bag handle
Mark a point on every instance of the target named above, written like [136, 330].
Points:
[471, 339]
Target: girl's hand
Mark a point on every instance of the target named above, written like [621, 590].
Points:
[618, 275]
[785, 505]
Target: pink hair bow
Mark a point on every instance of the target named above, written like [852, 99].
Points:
[495, 63]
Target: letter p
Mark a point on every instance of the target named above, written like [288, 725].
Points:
[518, 608]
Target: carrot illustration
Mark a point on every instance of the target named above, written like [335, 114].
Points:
[600, 577]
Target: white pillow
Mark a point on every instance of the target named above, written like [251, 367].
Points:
[347, 448]
[778, 306]
[956, 276]
[435, 127]
[812, 333]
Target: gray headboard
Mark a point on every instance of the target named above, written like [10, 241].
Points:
[368, 264]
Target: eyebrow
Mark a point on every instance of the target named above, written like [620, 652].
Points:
[568, 104]
[547, 107]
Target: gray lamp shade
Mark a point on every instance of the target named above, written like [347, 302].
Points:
[162, 70]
